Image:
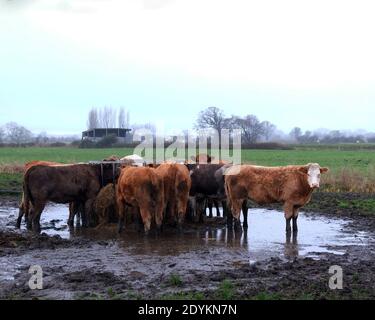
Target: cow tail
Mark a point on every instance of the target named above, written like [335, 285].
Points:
[153, 191]
[27, 196]
[227, 191]
[182, 184]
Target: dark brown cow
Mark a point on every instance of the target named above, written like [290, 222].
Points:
[105, 209]
[210, 204]
[142, 188]
[202, 158]
[177, 185]
[79, 183]
[207, 181]
[22, 212]
[291, 185]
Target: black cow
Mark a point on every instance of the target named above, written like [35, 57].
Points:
[207, 182]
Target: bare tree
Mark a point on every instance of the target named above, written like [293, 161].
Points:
[252, 128]
[127, 119]
[211, 117]
[268, 129]
[122, 118]
[42, 138]
[107, 116]
[296, 133]
[146, 126]
[93, 119]
[2, 135]
[17, 134]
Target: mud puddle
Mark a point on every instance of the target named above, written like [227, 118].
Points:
[264, 238]
[85, 260]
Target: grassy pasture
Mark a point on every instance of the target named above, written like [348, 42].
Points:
[350, 170]
[333, 158]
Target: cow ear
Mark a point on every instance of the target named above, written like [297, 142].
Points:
[304, 169]
[324, 170]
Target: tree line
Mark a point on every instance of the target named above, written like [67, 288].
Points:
[251, 127]
[14, 134]
[253, 130]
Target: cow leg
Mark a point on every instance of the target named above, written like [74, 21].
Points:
[121, 215]
[288, 213]
[202, 211]
[159, 218]
[20, 215]
[29, 221]
[236, 210]
[146, 218]
[190, 209]
[229, 216]
[79, 216]
[225, 208]
[138, 222]
[209, 205]
[217, 208]
[245, 210]
[84, 218]
[37, 211]
[181, 212]
[295, 217]
[27, 214]
[89, 213]
[170, 216]
[72, 211]
[180, 220]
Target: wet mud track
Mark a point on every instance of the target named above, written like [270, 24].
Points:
[204, 262]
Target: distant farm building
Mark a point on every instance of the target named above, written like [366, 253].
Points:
[98, 133]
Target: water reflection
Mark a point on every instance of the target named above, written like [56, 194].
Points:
[291, 249]
[264, 238]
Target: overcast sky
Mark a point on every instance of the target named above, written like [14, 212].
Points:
[295, 63]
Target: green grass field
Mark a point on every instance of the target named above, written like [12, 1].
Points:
[334, 159]
[361, 161]
[64, 155]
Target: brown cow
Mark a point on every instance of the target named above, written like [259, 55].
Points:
[291, 185]
[140, 187]
[22, 205]
[177, 185]
[79, 183]
[74, 208]
[105, 209]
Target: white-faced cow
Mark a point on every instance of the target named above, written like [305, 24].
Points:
[290, 185]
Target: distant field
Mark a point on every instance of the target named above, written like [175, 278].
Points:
[350, 170]
[64, 155]
[333, 158]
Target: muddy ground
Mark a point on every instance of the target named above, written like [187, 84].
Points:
[204, 262]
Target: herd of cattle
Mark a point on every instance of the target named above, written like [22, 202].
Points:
[127, 190]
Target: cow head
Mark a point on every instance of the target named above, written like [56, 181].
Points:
[202, 158]
[313, 172]
[191, 167]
